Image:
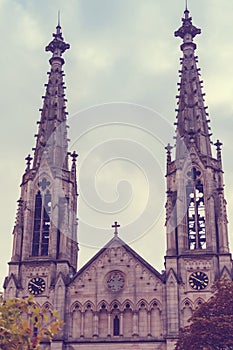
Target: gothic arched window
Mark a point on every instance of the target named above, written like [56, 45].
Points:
[46, 224]
[37, 223]
[35, 327]
[40, 242]
[116, 325]
[195, 211]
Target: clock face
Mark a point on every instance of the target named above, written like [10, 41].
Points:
[36, 285]
[115, 281]
[198, 280]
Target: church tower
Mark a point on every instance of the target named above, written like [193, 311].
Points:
[196, 221]
[45, 249]
[117, 300]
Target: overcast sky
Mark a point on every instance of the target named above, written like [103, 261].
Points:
[121, 78]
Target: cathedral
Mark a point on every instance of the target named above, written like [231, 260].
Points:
[117, 300]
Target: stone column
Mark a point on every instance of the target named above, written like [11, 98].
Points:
[96, 323]
[149, 323]
[135, 324]
[82, 325]
[121, 323]
[109, 324]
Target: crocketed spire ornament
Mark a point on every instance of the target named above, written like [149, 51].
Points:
[57, 46]
[187, 27]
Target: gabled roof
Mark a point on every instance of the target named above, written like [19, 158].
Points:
[225, 272]
[9, 278]
[116, 242]
[171, 272]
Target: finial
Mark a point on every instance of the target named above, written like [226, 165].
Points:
[74, 156]
[218, 145]
[28, 159]
[168, 148]
[186, 11]
[57, 46]
[115, 226]
[58, 27]
[187, 26]
[58, 19]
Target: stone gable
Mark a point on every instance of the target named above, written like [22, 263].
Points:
[117, 294]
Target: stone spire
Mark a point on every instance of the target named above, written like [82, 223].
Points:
[46, 222]
[52, 141]
[196, 217]
[192, 121]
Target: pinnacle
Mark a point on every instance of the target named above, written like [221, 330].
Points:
[187, 27]
[57, 46]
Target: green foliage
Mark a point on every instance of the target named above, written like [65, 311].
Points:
[23, 324]
[211, 325]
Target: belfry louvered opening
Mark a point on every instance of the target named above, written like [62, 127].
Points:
[195, 211]
[42, 213]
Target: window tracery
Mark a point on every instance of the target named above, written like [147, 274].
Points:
[195, 211]
[41, 230]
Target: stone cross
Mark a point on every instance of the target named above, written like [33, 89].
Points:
[115, 226]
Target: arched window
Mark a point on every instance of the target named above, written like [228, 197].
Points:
[103, 321]
[37, 223]
[116, 325]
[88, 321]
[142, 320]
[76, 321]
[35, 328]
[187, 313]
[40, 241]
[46, 224]
[128, 321]
[195, 211]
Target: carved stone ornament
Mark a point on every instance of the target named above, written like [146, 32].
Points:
[115, 281]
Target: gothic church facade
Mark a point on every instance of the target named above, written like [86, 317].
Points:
[118, 300]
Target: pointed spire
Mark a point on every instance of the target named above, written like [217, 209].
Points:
[52, 141]
[192, 122]
[46, 223]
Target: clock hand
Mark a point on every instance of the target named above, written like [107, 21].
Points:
[36, 285]
[197, 279]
